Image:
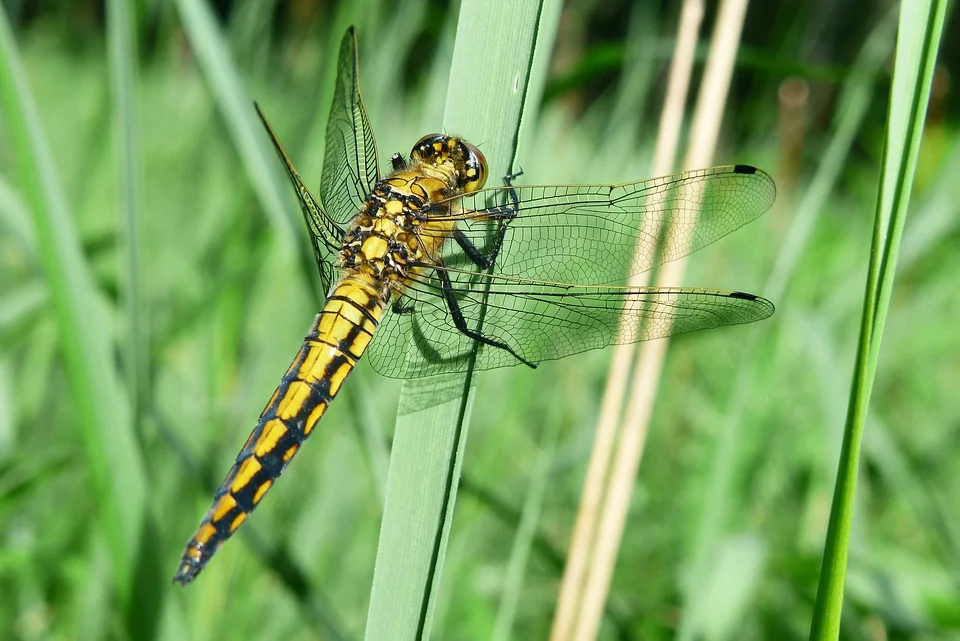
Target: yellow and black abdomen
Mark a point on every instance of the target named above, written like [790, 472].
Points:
[338, 337]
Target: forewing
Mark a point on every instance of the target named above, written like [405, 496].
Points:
[325, 234]
[350, 159]
[542, 321]
[549, 295]
[599, 234]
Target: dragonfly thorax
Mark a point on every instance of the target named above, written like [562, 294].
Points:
[394, 232]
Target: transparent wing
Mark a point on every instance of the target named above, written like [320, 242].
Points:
[549, 295]
[541, 321]
[350, 160]
[325, 234]
[596, 234]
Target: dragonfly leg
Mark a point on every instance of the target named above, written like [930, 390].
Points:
[398, 161]
[480, 259]
[508, 212]
[504, 215]
[450, 298]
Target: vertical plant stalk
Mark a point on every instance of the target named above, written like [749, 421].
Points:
[213, 55]
[918, 40]
[486, 98]
[118, 478]
[852, 108]
[122, 49]
[527, 526]
[581, 544]
[622, 475]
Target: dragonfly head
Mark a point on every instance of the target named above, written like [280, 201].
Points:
[457, 154]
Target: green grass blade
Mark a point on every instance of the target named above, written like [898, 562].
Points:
[732, 448]
[921, 24]
[15, 224]
[486, 98]
[147, 592]
[122, 58]
[526, 528]
[114, 459]
[235, 104]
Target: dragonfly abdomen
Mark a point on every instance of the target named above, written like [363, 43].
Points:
[337, 339]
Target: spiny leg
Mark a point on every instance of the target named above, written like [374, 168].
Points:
[450, 298]
[503, 214]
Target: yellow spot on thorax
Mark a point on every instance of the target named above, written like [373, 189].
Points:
[374, 247]
[385, 226]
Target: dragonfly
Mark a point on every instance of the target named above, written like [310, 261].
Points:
[428, 272]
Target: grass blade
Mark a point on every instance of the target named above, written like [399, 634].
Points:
[526, 529]
[429, 444]
[114, 458]
[147, 594]
[921, 25]
[650, 356]
[235, 104]
[122, 58]
[730, 450]
[580, 556]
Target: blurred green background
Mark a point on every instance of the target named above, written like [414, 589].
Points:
[218, 296]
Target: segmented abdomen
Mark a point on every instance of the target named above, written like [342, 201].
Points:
[339, 335]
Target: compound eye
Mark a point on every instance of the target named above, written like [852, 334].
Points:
[428, 148]
[474, 168]
[459, 155]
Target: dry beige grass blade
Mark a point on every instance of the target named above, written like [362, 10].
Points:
[706, 126]
[582, 609]
[581, 545]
